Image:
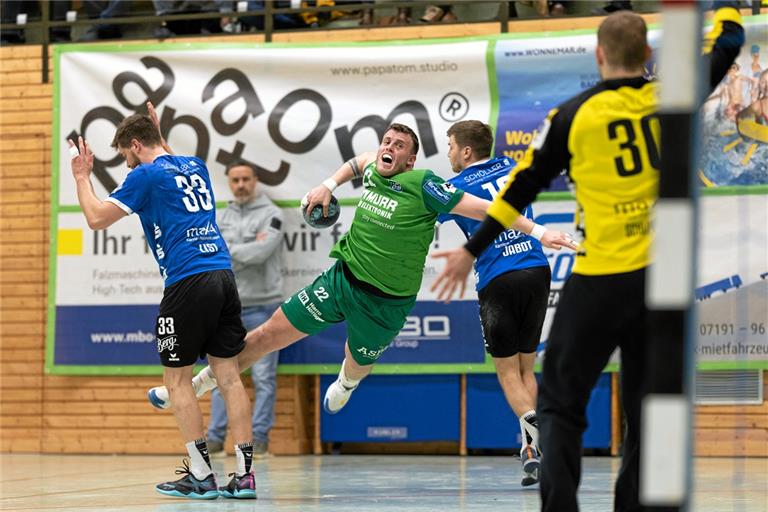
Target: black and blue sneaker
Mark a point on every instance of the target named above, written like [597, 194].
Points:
[530, 458]
[242, 487]
[190, 487]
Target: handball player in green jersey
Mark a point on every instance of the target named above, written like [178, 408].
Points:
[379, 264]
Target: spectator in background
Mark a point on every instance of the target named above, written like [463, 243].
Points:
[537, 8]
[366, 15]
[184, 27]
[104, 9]
[252, 227]
[279, 21]
[435, 13]
[613, 6]
[10, 10]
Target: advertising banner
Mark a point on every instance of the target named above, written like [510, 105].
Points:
[297, 113]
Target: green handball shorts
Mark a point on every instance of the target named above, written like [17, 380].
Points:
[372, 322]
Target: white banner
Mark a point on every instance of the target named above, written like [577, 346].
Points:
[297, 113]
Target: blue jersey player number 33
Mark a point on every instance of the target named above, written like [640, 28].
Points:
[174, 199]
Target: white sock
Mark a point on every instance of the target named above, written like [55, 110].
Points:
[204, 381]
[346, 381]
[200, 468]
[532, 430]
[244, 454]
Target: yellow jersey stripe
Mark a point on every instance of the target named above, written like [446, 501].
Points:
[503, 213]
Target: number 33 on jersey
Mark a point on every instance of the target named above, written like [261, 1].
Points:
[174, 199]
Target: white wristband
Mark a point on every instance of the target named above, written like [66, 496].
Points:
[538, 231]
[330, 184]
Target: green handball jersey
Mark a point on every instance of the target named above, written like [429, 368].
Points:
[394, 224]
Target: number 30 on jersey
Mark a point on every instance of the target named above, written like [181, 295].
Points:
[629, 161]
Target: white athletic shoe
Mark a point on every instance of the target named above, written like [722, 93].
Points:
[202, 383]
[336, 397]
[159, 398]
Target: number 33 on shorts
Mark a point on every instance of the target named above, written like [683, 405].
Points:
[165, 325]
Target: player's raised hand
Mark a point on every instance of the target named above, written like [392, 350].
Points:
[554, 239]
[82, 158]
[152, 113]
[458, 264]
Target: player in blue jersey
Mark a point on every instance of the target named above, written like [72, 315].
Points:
[513, 280]
[200, 310]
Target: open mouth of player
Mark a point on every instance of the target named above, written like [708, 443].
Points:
[386, 158]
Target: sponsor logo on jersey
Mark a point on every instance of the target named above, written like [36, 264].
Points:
[395, 186]
[208, 229]
[378, 204]
[517, 248]
[207, 248]
[438, 192]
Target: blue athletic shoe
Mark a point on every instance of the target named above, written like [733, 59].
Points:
[190, 487]
[531, 464]
[241, 487]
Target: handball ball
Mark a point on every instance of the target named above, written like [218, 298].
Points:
[315, 217]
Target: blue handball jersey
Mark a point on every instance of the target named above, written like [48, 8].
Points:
[174, 200]
[511, 250]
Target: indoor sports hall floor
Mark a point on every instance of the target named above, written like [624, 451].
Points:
[346, 483]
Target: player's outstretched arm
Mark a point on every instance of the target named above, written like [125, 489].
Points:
[724, 40]
[350, 169]
[471, 206]
[99, 214]
[550, 238]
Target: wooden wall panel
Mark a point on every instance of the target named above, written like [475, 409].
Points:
[726, 431]
[66, 414]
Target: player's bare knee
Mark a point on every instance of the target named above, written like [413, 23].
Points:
[175, 378]
[180, 392]
[228, 380]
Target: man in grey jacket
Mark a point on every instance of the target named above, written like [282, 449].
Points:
[252, 226]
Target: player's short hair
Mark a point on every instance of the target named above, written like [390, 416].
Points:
[623, 37]
[475, 134]
[239, 163]
[139, 127]
[401, 128]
